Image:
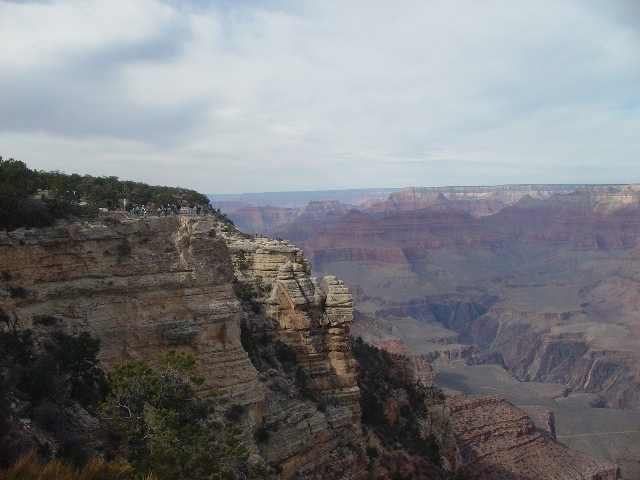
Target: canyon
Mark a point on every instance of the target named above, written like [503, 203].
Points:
[540, 280]
[143, 286]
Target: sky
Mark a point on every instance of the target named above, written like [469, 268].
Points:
[285, 95]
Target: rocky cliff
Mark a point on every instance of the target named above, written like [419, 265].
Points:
[498, 441]
[142, 286]
[292, 308]
[271, 340]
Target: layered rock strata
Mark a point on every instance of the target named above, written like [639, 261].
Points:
[140, 286]
[143, 286]
[315, 325]
[499, 441]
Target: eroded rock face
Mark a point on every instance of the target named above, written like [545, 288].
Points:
[315, 323]
[140, 286]
[146, 285]
[316, 326]
[499, 441]
[566, 357]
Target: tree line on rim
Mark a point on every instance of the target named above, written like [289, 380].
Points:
[36, 198]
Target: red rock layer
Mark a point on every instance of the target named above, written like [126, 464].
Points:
[499, 441]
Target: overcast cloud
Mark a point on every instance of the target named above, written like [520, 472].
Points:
[241, 96]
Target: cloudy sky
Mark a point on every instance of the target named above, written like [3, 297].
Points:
[250, 96]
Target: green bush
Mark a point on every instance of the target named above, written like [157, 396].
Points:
[45, 373]
[45, 320]
[242, 262]
[124, 248]
[248, 291]
[381, 375]
[372, 452]
[17, 292]
[164, 427]
[74, 195]
[262, 434]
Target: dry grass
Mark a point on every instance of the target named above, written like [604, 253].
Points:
[28, 467]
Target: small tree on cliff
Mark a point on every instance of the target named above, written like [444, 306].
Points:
[162, 426]
[46, 375]
[17, 207]
[382, 375]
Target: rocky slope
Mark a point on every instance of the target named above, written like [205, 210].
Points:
[498, 441]
[142, 286]
[145, 285]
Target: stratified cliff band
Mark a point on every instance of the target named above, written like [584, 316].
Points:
[143, 286]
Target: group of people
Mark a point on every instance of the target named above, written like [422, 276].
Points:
[173, 209]
[137, 211]
[163, 210]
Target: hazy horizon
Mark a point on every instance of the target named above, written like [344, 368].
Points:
[286, 95]
[238, 194]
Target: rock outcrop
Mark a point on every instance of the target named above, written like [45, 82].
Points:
[142, 286]
[499, 441]
[295, 310]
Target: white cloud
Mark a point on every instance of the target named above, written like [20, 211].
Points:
[257, 96]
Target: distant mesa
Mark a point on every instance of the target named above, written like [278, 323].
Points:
[262, 212]
[299, 199]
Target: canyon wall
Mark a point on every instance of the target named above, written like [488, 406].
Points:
[545, 258]
[140, 286]
[143, 286]
[498, 441]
